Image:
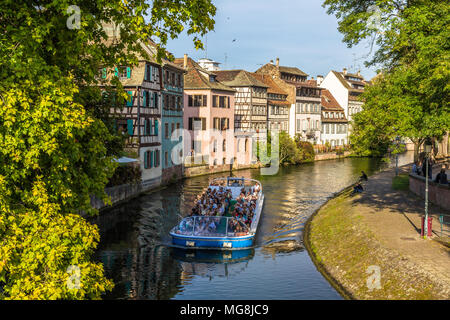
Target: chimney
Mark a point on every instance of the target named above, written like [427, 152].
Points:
[345, 71]
[319, 79]
[271, 61]
[278, 62]
[359, 73]
[185, 60]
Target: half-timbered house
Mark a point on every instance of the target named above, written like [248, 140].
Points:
[172, 121]
[140, 117]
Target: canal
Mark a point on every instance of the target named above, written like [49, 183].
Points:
[136, 253]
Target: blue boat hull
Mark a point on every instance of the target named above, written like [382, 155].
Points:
[212, 242]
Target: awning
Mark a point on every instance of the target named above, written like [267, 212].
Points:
[126, 160]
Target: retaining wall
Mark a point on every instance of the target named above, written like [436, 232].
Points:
[438, 194]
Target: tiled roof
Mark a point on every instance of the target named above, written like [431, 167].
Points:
[292, 70]
[272, 86]
[239, 78]
[195, 77]
[347, 83]
[329, 102]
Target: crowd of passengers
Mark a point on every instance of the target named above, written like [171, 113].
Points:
[216, 202]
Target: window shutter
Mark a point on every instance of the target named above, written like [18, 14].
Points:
[204, 123]
[149, 127]
[151, 73]
[130, 126]
[104, 73]
[128, 72]
[190, 124]
[145, 127]
[144, 104]
[155, 99]
[130, 99]
[145, 160]
[204, 102]
[116, 72]
[156, 127]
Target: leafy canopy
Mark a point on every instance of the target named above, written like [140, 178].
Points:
[56, 139]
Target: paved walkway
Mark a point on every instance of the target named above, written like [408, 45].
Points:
[395, 218]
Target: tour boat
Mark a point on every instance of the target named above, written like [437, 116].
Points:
[191, 231]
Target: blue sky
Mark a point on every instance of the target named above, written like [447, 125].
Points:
[299, 32]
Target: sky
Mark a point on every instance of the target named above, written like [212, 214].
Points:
[250, 33]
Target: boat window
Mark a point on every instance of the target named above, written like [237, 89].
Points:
[208, 226]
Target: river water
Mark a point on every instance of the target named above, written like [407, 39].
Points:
[136, 253]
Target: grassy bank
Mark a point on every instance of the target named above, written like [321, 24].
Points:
[343, 249]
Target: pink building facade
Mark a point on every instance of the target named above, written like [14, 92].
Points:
[208, 121]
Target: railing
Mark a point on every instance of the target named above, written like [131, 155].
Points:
[444, 220]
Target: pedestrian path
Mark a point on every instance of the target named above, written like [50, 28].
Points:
[394, 216]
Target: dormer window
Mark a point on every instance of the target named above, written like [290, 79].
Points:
[212, 78]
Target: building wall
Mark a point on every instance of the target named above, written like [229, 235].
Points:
[209, 135]
[172, 139]
[340, 93]
[308, 120]
[335, 139]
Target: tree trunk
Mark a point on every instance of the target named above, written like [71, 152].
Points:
[417, 144]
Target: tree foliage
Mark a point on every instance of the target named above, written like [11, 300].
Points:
[56, 138]
[410, 97]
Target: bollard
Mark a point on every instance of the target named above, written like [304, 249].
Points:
[422, 231]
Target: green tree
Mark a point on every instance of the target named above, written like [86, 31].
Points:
[412, 93]
[289, 153]
[56, 140]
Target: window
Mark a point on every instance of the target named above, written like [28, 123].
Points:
[155, 99]
[148, 70]
[157, 158]
[166, 159]
[166, 130]
[298, 125]
[224, 145]
[197, 124]
[147, 127]
[123, 72]
[197, 100]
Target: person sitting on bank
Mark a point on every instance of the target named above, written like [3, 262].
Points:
[358, 188]
[441, 177]
[364, 176]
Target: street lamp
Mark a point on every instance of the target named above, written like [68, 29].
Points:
[427, 148]
[397, 141]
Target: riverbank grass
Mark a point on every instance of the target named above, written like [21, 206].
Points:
[347, 252]
[400, 182]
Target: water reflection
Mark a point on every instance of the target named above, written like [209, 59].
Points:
[136, 251]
